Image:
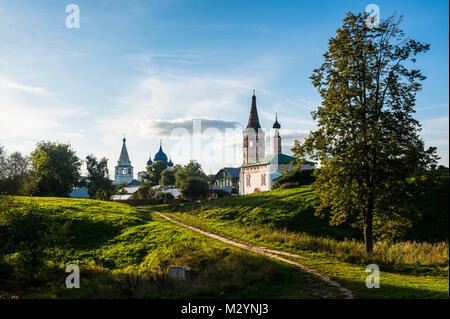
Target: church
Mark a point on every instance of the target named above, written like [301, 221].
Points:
[124, 169]
[258, 171]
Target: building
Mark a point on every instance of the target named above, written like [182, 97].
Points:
[123, 169]
[258, 172]
[159, 156]
[227, 179]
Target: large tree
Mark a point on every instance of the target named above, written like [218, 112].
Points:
[54, 169]
[13, 172]
[100, 186]
[191, 169]
[367, 139]
[153, 173]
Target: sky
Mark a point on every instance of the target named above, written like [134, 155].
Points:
[157, 71]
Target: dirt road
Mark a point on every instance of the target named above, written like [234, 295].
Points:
[266, 252]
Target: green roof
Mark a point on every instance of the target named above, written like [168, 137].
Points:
[276, 158]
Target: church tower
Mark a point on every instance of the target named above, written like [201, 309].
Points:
[254, 139]
[123, 170]
[276, 137]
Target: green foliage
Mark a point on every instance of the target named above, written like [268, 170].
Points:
[124, 253]
[153, 173]
[54, 169]
[100, 186]
[145, 191]
[14, 170]
[168, 177]
[195, 188]
[192, 169]
[164, 197]
[296, 177]
[192, 181]
[367, 139]
[31, 235]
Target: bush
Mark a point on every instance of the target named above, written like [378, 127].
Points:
[298, 177]
[289, 185]
[164, 197]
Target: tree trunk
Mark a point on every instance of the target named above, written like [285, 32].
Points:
[368, 238]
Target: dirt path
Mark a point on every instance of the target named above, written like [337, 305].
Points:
[267, 252]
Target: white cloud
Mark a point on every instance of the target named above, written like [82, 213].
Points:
[5, 83]
[26, 118]
[435, 132]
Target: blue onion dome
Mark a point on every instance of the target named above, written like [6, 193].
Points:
[170, 164]
[276, 125]
[150, 162]
[160, 156]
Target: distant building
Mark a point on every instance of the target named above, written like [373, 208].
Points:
[159, 156]
[227, 179]
[123, 169]
[258, 172]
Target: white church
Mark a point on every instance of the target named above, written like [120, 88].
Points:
[259, 171]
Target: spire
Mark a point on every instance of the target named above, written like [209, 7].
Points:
[124, 159]
[253, 120]
[276, 125]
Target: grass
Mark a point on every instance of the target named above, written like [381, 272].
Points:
[124, 253]
[283, 219]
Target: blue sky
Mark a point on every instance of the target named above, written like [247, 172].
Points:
[145, 67]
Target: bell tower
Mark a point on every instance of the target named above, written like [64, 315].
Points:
[254, 139]
[123, 169]
[276, 136]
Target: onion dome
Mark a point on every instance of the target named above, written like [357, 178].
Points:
[276, 125]
[170, 164]
[160, 156]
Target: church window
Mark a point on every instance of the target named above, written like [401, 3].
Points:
[129, 171]
[248, 180]
[263, 179]
[124, 171]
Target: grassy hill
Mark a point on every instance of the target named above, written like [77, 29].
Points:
[284, 219]
[123, 252]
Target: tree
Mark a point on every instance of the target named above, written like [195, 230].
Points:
[33, 234]
[54, 169]
[192, 169]
[145, 191]
[100, 186]
[167, 177]
[153, 173]
[367, 139]
[14, 170]
[195, 188]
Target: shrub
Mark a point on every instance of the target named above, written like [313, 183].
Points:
[288, 185]
[298, 177]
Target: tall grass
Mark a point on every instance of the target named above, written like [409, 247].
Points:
[396, 253]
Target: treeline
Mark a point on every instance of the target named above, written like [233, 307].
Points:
[52, 169]
[189, 179]
[426, 220]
